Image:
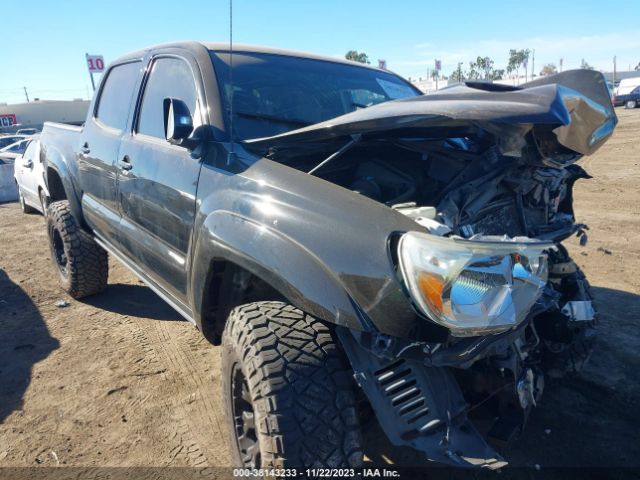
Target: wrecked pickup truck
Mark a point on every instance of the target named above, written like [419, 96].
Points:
[355, 246]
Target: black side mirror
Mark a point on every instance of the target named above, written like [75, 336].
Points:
[178, 123]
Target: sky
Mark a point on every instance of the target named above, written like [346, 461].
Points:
[44, 42]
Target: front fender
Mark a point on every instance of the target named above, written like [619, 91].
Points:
[278, 260]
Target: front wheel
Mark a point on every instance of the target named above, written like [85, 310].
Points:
[81, 263]
[631, 104]
[289, 393]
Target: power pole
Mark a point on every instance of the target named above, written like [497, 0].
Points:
[561, 64]
[26, 94]
[533, 64]
[614, 70]
[93, 83]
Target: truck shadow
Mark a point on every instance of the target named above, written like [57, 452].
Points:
[584, 421]
[133, 300]
[24, 341]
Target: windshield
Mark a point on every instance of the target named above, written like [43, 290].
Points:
[5, 141]
[18, 147]
[273, 94]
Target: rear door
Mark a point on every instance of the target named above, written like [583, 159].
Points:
[99, 145]
[157, 181]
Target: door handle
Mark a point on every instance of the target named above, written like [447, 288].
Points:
[125, 163]
[85, 148]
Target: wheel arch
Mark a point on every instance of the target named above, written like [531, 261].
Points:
[228, 242]
[59, 185]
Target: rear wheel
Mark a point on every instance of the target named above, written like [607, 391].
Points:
[81, 263]
[289, 393]
[631, 104]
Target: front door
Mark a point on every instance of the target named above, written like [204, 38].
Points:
[157, 181]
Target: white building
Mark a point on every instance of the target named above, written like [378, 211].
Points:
[34, 114]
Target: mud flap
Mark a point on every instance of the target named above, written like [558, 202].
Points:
[420, 407]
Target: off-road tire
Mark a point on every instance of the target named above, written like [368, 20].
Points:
[23, 204]
[300, 385]
[86, 268]
[631, 104]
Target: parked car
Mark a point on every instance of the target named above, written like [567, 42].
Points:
[27, 131]
[29, 176]
[345, 238]
[630, 100]
[9, 153]
[6, 140]
[626, 87]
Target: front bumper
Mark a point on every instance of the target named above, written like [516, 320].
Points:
[419, 406]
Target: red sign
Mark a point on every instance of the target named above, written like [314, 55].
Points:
[7, 119]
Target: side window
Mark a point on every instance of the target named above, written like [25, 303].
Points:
[115, 98]
[169, 78]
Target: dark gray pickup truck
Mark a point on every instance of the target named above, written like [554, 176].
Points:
[356, 247]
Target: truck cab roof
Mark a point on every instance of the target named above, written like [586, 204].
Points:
[203, 47]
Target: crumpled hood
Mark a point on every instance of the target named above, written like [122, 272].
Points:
[575, 104]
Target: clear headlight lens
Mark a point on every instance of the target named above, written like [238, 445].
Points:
[473, 287]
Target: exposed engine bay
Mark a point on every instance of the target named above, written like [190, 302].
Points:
[473, 181]
[471, 193]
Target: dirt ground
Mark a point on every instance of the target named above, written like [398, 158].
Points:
[120, 380]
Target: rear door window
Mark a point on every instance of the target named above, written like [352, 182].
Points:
[115, 98]
[170, 77]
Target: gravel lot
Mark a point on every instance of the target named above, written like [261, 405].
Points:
[120, 380]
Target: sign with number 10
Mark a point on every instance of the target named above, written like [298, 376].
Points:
[95, 63]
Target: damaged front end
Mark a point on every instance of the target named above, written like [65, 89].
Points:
[459, 399]
[486, 173]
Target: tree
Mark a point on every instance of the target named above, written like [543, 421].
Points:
[517, 59]
[357, 56]
[548, 69]
[585, 65]
[458, 75]
[482, 68]
[637, 67]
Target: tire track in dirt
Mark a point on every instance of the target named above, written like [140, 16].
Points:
[155, 362]
[194, 360]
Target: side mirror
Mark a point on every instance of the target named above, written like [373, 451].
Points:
[178, 123]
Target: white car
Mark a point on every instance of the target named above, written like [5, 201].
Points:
[29, 175]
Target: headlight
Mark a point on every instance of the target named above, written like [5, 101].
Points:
[473, 287]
